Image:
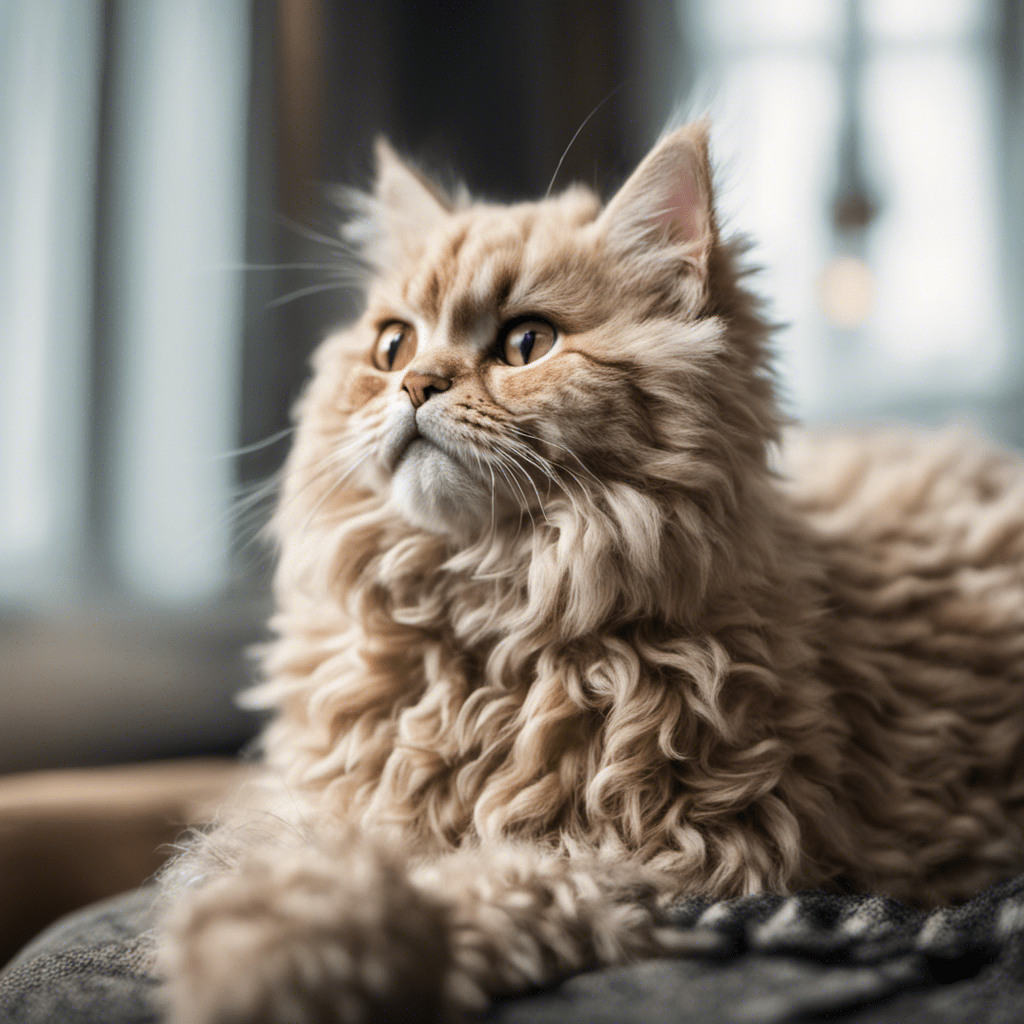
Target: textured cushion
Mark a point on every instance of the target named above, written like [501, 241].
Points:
[761, 959]
[90, 966]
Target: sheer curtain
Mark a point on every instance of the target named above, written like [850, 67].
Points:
[123, 170]
[50, 80]
[865, 150]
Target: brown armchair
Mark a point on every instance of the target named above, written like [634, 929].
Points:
[69, 838]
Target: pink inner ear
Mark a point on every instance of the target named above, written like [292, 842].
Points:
[667, 199]
[683, 214]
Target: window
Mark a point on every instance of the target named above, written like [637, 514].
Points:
[862, 144]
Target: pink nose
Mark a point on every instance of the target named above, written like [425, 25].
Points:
[421, 386]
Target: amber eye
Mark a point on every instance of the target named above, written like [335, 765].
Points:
[526, 341]
[396, 345]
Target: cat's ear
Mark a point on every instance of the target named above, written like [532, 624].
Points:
[667, 200]
[407, 205]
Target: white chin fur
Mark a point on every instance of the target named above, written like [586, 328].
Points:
[431, 490]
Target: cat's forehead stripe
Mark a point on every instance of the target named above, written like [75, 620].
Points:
[427, 288]
[482, 294]
[469, 275]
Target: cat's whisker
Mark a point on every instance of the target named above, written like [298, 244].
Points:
[330, 461]
[490, 469]
[330, 241]
[504, 475]
[581, 488]
[535, 459]
[480, 464]
[564, 448]
[332, 490]
[248, 267]
[513, 466]
[255, 493]
[251, 532]
[338, 458]
[242, 515]
[546, 440]
[326, 466]
[524, 449]
[551, 470]
[541, 504]
[533, 483]
[256, 445]
[311, 289]
[515, 488]
[337, 454]
[583, 125]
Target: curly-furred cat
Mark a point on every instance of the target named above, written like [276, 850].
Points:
[556, 644]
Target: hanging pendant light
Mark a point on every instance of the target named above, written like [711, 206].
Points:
[847, 285]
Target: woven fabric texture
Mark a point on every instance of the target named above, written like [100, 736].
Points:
[759, 960]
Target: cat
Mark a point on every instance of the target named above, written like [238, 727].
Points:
[557, 644]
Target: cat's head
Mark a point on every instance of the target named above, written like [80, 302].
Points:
[511, 358]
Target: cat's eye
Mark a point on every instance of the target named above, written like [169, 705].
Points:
[396, 345]
[526, 341]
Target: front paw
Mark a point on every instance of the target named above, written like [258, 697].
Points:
[300, 937]
[521, 918]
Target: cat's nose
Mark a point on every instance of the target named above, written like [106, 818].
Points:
[421, 386]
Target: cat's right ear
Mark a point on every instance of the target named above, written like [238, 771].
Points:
[406, 206]
[667, 201]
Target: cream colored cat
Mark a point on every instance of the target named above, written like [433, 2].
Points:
[555, 644]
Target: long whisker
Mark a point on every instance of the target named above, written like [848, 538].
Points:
[512, 465]
[561, 469]
[326, 465]
[235, 267]
[533, 484]
[333, 489]
[312, 235]
[311, 289]
[515, 488]
[535, 459]
[530, 458]
[256, 445]
[253, 494]
[249, 518]
[547, 467]
[490, 469]
[555, 444]
[551, 185]
[480, 466]
[247, 513]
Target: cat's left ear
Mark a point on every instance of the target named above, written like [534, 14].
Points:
[406, 205]
[667, 201]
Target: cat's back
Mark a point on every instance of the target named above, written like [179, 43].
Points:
[919, 539]
[932, 501]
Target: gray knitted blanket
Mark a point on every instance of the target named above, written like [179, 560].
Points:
[759, 960]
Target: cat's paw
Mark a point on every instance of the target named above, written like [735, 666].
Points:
[520, 918]
[303, 937]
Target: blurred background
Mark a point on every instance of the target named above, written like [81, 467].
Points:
[167, 262]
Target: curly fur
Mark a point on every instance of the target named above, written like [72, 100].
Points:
[586, 651]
